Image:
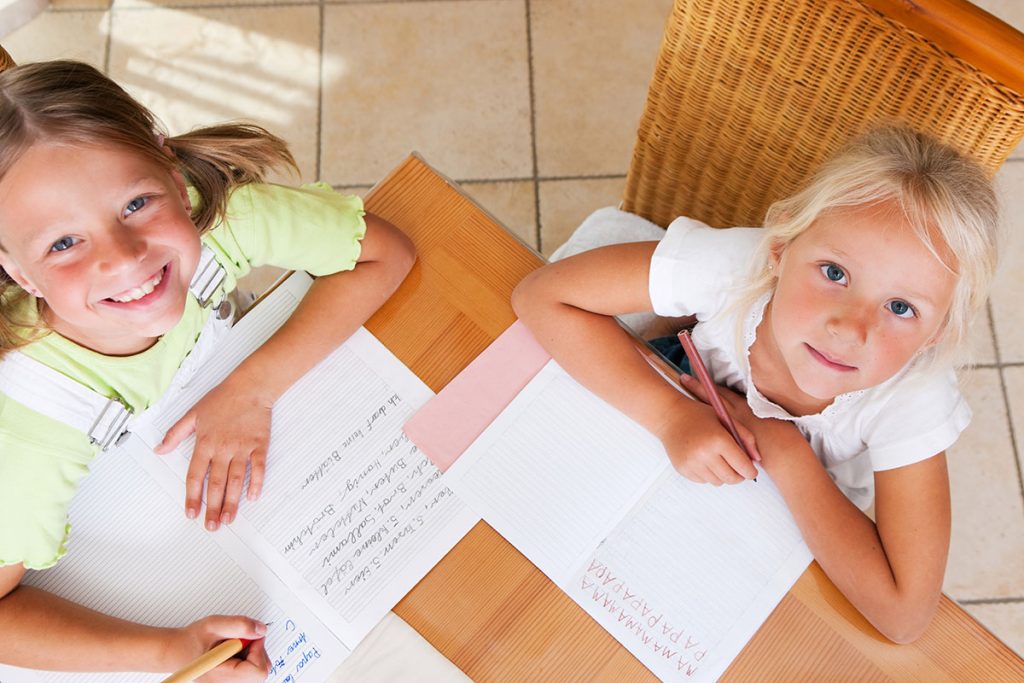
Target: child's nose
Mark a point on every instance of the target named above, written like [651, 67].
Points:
[850, 325]
[124, 248]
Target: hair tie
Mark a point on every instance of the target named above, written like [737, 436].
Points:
[160, 140]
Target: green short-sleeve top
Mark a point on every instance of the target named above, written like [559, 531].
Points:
[42, 460]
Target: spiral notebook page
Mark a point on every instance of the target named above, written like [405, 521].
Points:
[681, 574]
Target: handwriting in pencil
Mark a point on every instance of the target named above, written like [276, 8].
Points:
[640, 619]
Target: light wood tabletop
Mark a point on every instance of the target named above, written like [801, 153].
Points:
[494, 614]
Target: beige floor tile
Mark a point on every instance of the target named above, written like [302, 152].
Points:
[987, 547]
[981, 350]
[446, 79]
[80, 4]
[136, 4]
[1014, 378]
[512, 203]
[1004, 620]
[1006, 306]
[1010, 11]
[565, 203]
[592, 62]
[204, 66]
[60, 35]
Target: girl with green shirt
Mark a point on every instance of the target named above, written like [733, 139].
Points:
[102, 223]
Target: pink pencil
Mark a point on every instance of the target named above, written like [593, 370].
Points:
[712, 391]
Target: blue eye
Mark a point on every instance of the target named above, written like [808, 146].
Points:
[834, 273]
[63, 244]
[134, 205]
[901, 308]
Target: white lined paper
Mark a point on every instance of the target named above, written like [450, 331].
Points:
[132, 508]
[682, 574]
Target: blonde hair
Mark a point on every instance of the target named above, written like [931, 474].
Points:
[73, 103]
[943, 195]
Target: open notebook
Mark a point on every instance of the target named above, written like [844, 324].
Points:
[681, 574]
[351, 516]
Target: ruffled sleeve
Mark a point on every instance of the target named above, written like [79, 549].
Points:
[311, 228]
[37, 481]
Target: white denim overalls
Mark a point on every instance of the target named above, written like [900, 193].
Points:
[106, 420]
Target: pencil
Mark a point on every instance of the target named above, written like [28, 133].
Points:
[711, 390]
[208, 661]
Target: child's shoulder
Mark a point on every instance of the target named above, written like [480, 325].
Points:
[288, 199]
[689, 238]
[914, 415]
[696, 269]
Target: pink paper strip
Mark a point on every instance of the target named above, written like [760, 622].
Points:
[451, 421]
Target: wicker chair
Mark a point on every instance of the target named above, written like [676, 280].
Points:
[748, 96]
[6, 61]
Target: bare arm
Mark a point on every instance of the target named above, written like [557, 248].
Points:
[568, 305]
[335, 307]
[232, 422]
[890, 570]
[42, 631]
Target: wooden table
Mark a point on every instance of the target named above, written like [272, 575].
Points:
[494, 614]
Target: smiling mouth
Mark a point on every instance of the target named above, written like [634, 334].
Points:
[828, 362]
[141, 291]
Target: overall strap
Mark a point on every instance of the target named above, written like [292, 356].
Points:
[103, 419]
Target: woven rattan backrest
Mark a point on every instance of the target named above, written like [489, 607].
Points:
[749, 96]
[5, 59]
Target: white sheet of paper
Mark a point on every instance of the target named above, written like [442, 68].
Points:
[681, 574]
[547, 474]
[134, 555]
[351, 517]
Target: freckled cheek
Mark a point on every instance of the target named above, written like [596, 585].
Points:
[795, 313]
[890, 352]
[190, 249]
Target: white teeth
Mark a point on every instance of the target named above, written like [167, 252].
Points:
[142, 290]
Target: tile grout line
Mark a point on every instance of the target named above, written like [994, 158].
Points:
[183, 7]
[543, 179]
[237, 5]
[320, 96]
[1006, 398]
[108, 41]
[991, 601]
[533, 128]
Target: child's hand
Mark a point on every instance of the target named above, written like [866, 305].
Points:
[752, 429]
[199, 636]
[232, 428]
[702, 450]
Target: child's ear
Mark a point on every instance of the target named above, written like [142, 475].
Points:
[182, 187]
[12, 270]
[775, 256]
[936, 337]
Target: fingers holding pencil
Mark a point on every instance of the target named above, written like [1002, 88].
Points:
[746, 438]
[220, 639]
[706, 390]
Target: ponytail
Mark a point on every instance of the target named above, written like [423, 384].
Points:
[217, 159]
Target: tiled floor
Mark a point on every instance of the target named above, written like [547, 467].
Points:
[493, 93]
